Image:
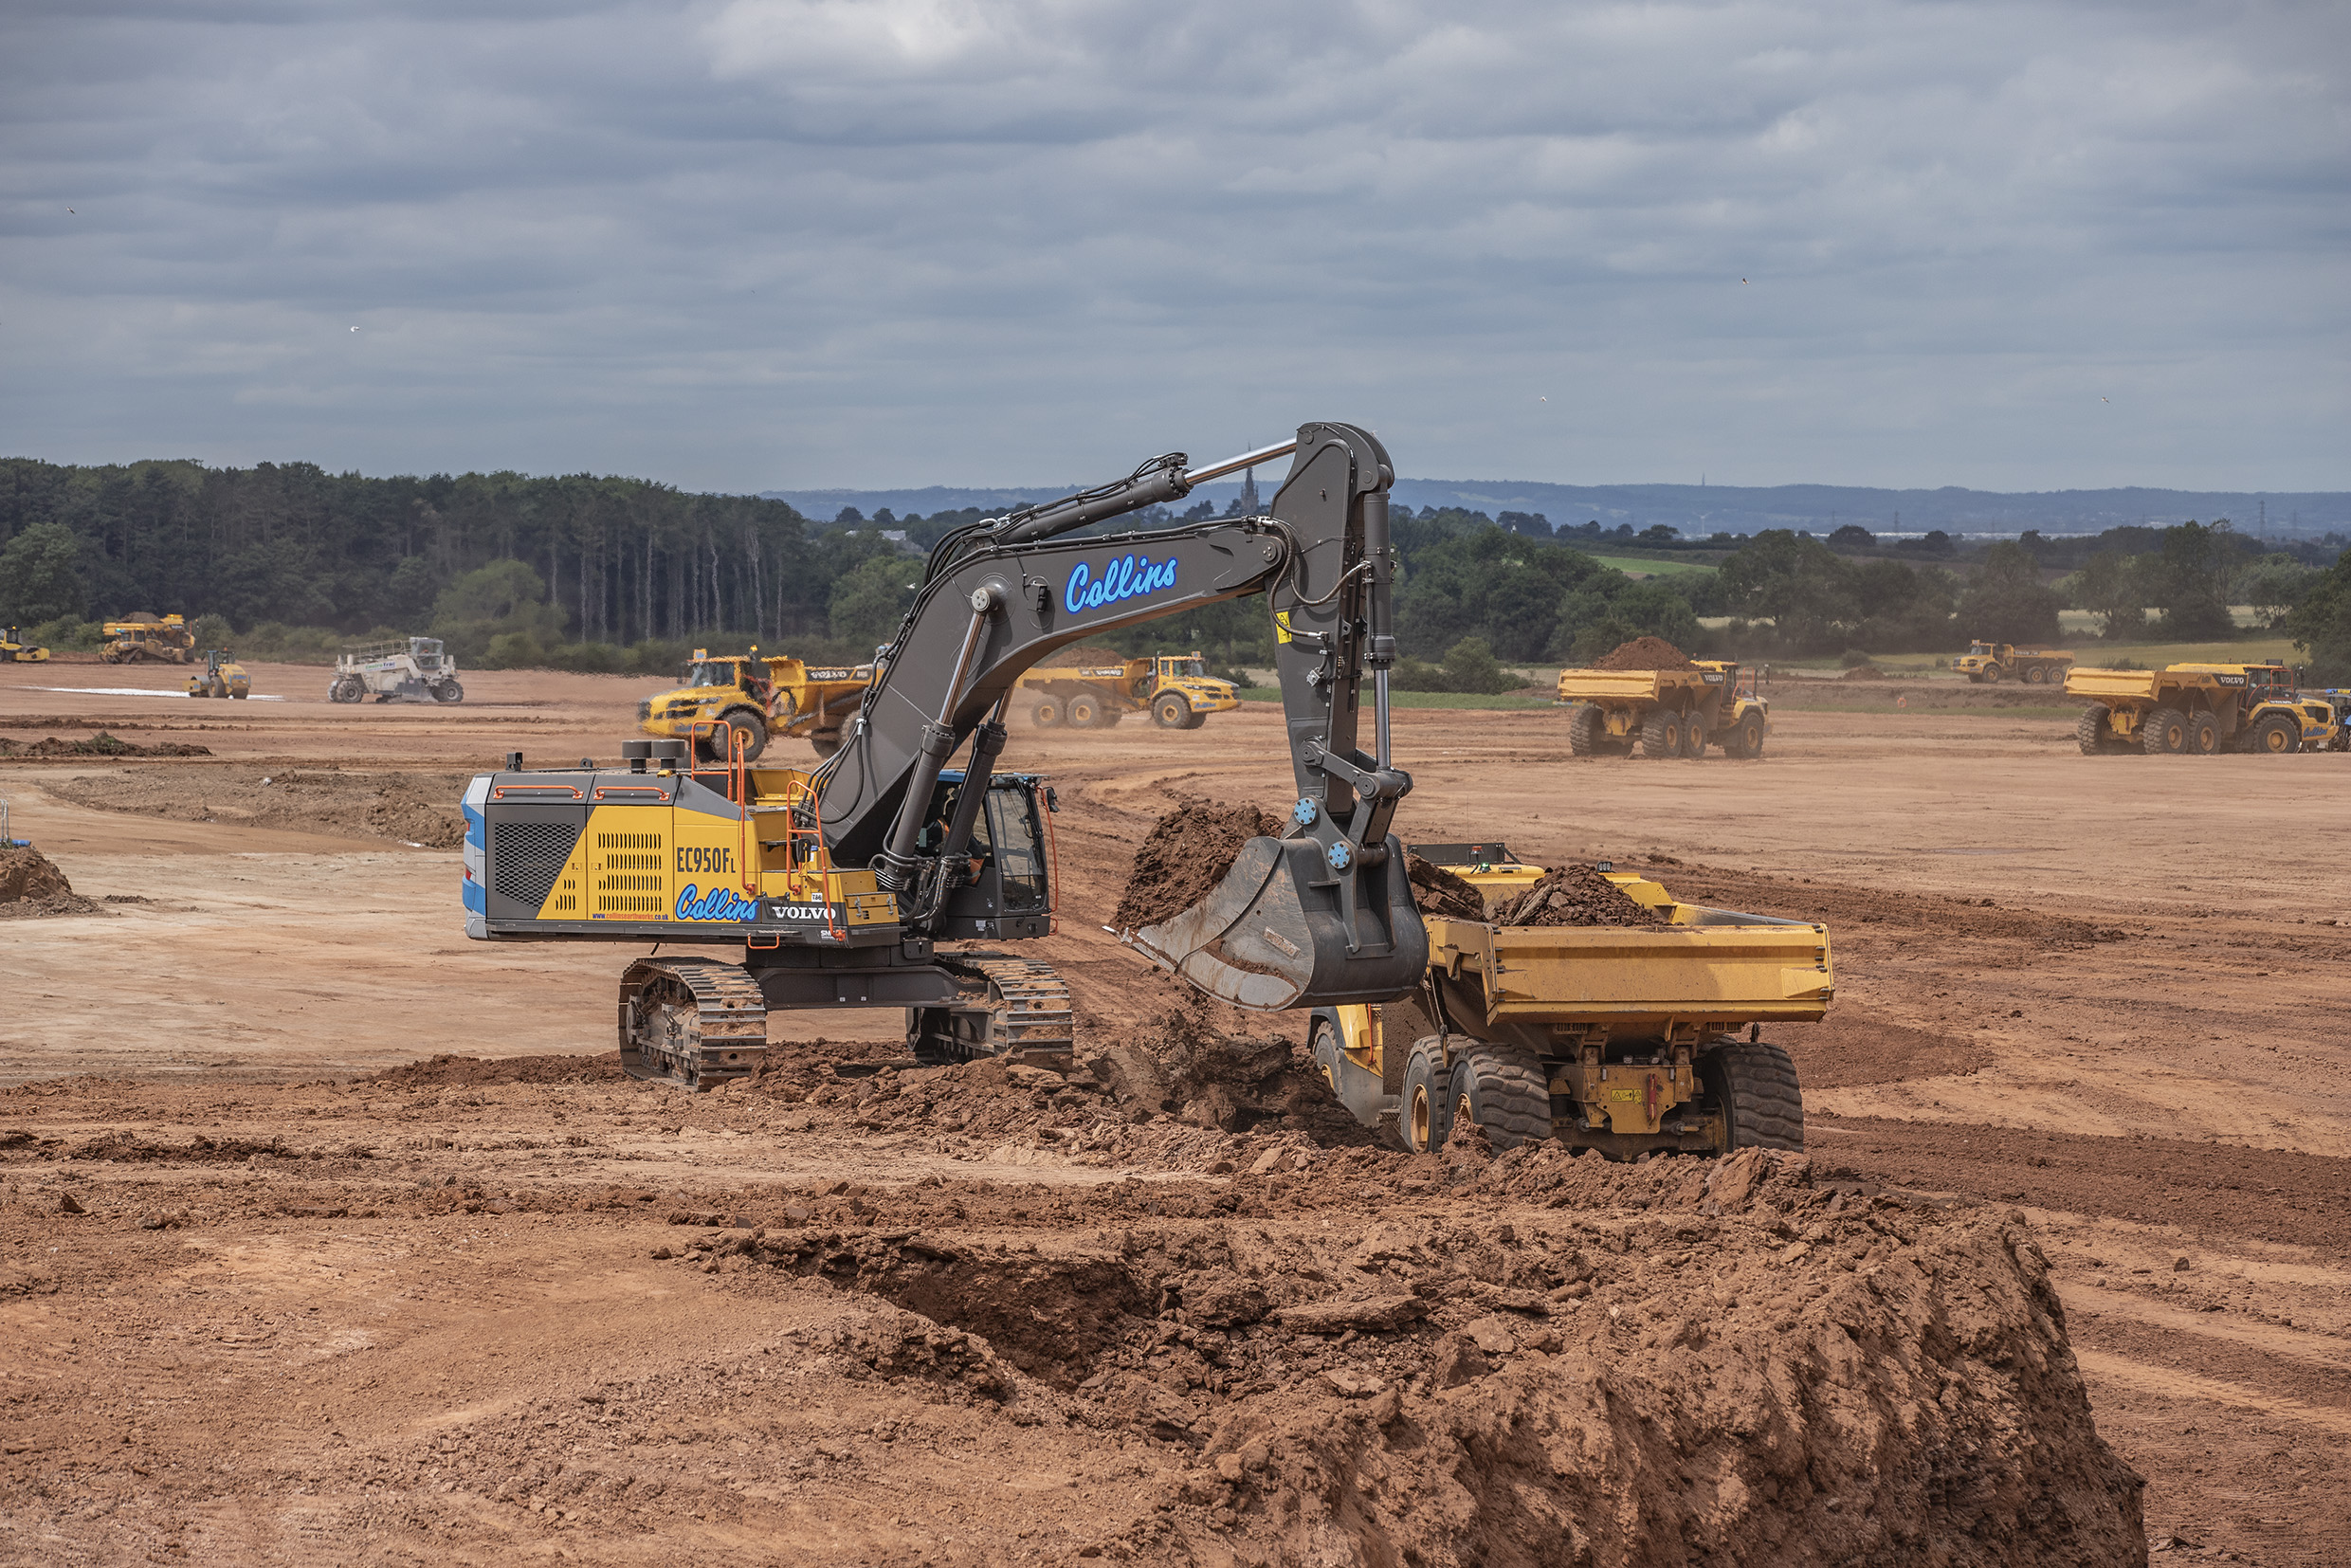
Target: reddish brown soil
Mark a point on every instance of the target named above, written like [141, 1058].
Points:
[31, 888]
[1644, 653]
[414, 808]
[1185, 855]
[381, 1334]
[1574, 895]
[100, 744]
[1438, 891]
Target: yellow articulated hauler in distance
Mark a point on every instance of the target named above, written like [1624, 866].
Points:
[742, 702]
[1621, 1039]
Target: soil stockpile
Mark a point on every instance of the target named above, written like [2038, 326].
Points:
[1185, 855]
[1438, 891]
[31, 887]
[1252, 1349]
[1644, 653]
[1576, 895]
[418, 809]
[100, 744]
[470, 1071]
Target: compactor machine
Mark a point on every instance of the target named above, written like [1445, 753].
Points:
[15, 650]
[883, 877]
[222, 676]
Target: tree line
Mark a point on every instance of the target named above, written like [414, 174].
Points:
[604, 573]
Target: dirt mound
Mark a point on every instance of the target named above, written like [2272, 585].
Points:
[1438, 891]
[100, 744]
[472, 1071]
[419, 808]
[31, 887]
[1864, 672]
[1576, 895]
[1459, 1387]
[1644, 653]
[1185, 855]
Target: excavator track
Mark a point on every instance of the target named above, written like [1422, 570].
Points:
[1014, 1008]
[693, 1022]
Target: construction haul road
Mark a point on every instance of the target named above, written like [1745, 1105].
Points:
[278, 1286]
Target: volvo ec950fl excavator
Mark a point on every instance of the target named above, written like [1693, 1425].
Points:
[848, 884]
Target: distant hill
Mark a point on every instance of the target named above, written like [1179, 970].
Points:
[1698, 510]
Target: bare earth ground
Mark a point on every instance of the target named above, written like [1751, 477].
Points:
[422, 1317]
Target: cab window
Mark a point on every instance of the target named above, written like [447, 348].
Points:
[713, 675]
[1011, 828]
[1186, 669]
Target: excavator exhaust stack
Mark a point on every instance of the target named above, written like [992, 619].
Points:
[1284, 930]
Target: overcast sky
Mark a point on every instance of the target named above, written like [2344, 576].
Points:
[758, 244]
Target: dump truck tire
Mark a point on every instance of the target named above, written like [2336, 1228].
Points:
[1745, 738]
[1754, 1083]
[1085, 711]
[826, 741]
[1046, 713]
[1194, 720]
[1170, 711]
[1583, 731]
[1693, 737]
[1421, 1120]
[2203, 735]
[2164, 733]
[2035, 675]
[754, 730]
[1503, 1089]
[2090, 731]
[1662, 735]
[2276, 735]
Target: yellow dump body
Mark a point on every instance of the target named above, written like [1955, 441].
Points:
[1715, 969]
[1608, 687]
[800, 699]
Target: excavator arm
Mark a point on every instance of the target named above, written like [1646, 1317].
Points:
[1322, 916]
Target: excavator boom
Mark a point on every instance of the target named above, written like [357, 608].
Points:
[1320, 917]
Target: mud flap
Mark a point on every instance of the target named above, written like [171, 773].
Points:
[1285, 931]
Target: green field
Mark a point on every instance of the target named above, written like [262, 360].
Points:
[1654, 568]
[1417, 698]
[2251, 650]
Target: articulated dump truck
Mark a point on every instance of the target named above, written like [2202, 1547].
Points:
[1664, 712]
[2198, 710]
[1621, 1039]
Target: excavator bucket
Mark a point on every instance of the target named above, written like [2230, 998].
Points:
[1283, 931]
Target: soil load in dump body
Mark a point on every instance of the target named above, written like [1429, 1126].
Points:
[1644, 653]
[1576, 895]
[100, 744]
[1185, 855]
[1438, 891]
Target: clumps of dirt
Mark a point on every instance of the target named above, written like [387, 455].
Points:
[474, 1071]
[1644, 653]
[100, 744]
[416, 809]
[1505, 1375]
[1864, 672]
[1438, 891]
[1576, 895]
[1185, 855]
[32, 886]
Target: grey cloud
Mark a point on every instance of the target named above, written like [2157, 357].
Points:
[775, 243]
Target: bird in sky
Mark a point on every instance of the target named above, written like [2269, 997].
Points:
[1742, 279]
[1543, 400]
[354, 329]
[2104, 400]
[69, 211]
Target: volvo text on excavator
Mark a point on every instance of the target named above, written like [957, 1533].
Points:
[883, 877]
